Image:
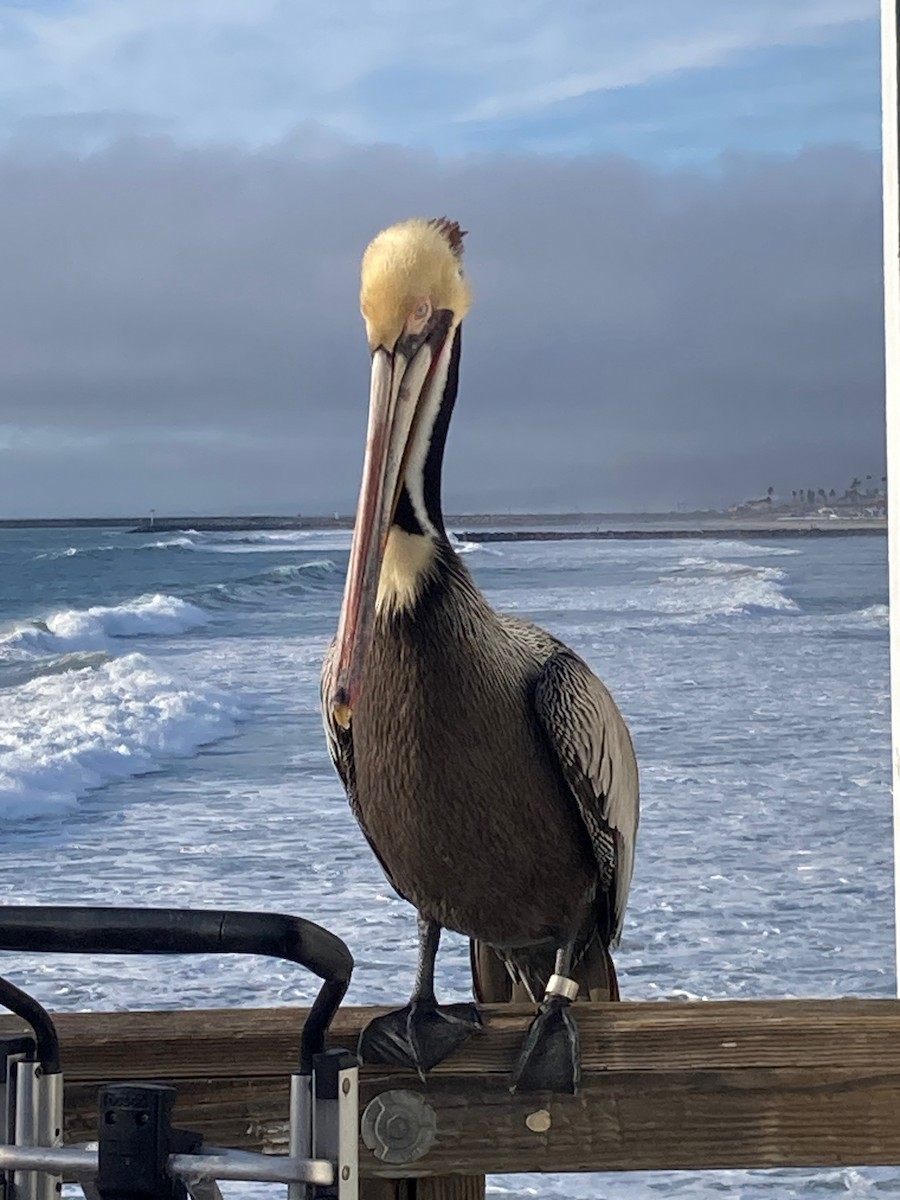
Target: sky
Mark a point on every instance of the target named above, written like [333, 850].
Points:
[674, 246]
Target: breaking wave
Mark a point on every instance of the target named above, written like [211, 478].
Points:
[270, 542]
[462, 547]
[738, 549]
[71, 551]
[878, 615]
[66, 735]
[73, 630]
[290, 579]
[709, 587]
[16, 671]
[690, 591]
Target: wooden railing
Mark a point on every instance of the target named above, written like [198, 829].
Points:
[671, 1086]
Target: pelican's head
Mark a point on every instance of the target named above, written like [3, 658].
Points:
[412, 278]
[413, 297]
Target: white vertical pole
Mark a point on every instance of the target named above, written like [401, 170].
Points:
[890, 159]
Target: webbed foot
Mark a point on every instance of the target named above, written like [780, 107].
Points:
[420, 1035]
[550, 1059]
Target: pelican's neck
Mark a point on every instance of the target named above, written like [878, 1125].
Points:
[418, 527]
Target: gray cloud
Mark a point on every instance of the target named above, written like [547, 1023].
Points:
[179, 328]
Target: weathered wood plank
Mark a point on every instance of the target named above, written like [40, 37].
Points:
[446, 1187]
[666, 1086]
[674, 1120]
[633, 1036]
[640, 1120]
[450, 1187]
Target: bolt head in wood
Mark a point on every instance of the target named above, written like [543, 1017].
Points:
[398, 1126]
[540, 1121]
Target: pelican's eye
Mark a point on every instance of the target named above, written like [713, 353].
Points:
[419, 317]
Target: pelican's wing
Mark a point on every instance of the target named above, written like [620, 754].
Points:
[340, 741]
[340, 747]
[591, 742]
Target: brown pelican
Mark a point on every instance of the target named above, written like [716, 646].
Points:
[489, 768]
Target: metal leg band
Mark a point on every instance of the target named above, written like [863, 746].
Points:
[559, 985]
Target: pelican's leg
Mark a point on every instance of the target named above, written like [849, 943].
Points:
[423, 1033]
[550, 1059]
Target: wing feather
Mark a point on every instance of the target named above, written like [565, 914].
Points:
[592, 744]
[340, 747]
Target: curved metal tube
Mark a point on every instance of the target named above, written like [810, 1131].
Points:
[64, 929]
[39, 1019]
[80, 1161]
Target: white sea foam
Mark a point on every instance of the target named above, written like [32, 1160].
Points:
[715, 566]
[269, 542]
[462, 547]
[276, 541]
[703, 587]
[93, 628]
[16, 671]
[875, 614]
[182, 542]
[690, 591]
[62, 736]
[71, 551]
[736, 549]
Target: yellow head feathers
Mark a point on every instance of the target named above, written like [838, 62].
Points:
[406, 264]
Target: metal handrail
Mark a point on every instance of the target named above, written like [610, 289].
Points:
[87, 929]
[45, 1035]
[215, 1163]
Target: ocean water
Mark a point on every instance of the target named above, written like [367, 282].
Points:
[160, 743]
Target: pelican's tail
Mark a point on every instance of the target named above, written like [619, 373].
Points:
[523, 977]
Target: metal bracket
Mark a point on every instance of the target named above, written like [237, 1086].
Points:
[12, 1051]
[300, 1127]
[38, 1121]
[335, 1121]
[204, 1189]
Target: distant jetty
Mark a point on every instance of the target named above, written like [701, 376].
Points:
[503, 527]
[769, 530]
[549, 527]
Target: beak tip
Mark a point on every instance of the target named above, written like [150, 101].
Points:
[341, 713]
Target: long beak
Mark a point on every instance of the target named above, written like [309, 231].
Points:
[396, 385]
